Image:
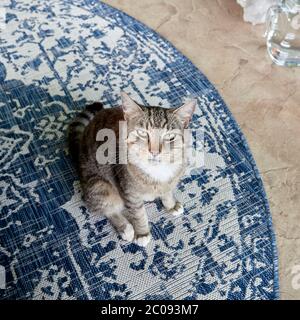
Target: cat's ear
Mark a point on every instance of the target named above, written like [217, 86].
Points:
[185, 112]
[130, 107]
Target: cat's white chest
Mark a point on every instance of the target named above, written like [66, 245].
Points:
[160, 172]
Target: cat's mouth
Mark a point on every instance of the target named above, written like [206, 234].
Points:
[154, 160]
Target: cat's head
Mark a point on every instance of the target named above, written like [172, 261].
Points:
[156, 136]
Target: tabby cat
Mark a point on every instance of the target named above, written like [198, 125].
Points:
[155, 143]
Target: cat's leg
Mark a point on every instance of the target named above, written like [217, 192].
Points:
[141, 227]
[139, 219]
[173, 206]
[122, 225]
[102, 199]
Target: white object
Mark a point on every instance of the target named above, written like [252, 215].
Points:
[255, 11]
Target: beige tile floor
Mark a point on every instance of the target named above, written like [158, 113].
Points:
[264, 98]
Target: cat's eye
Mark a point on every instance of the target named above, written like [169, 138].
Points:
[169, 137]
[142, 133]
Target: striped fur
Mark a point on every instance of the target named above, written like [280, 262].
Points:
[77, 128]
[118, 191]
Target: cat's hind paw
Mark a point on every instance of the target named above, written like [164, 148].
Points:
[143, 240]
[177, 210]
[128, 233]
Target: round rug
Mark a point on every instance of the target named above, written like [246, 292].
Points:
[56, 56]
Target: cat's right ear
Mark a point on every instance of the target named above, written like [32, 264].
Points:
[130, 108]
[185, 112]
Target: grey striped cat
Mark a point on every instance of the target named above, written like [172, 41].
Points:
[155, 161]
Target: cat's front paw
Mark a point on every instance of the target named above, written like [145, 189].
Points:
[128, 233]
[177, 210]
[143, 240]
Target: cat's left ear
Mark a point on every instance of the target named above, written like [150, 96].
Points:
[130, 107]
[185, 112]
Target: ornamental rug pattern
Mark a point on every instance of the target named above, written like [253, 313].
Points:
[57, 56]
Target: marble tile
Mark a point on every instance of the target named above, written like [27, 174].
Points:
[262, 96]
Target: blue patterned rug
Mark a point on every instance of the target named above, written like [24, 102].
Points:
[55, 56]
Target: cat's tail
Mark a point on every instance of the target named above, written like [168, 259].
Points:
[78, 126]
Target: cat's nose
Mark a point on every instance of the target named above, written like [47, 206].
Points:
[154, 153]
